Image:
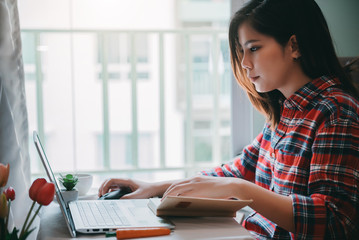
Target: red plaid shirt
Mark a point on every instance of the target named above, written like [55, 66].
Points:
[313, 157]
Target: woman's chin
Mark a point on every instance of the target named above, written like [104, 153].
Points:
[262, 89]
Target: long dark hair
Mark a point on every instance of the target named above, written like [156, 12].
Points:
[281, 19]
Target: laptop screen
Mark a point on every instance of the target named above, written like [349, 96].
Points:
[50, 174]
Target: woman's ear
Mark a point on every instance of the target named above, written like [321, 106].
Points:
[293, 44]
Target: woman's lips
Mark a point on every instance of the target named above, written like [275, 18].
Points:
[253, 79]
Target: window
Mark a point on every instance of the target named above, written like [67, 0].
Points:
[115, 49]
[139, 96]
[121, 150]
[29, 56]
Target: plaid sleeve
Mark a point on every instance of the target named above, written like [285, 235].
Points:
[331, 207]
[243, 166]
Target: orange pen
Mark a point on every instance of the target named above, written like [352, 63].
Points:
[139, 232]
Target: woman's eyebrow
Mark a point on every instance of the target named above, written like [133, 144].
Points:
[250, 41]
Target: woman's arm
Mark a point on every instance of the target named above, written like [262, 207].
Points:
[328, 210]
[139, 189]
[275, 207]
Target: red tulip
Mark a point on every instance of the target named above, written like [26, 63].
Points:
[35, 187]
[10, 194]
[46, 194]
[4, 174]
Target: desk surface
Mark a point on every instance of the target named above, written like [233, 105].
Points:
[53, 227]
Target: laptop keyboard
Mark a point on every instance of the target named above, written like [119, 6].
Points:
[103, 213]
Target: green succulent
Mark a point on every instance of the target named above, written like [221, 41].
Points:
[69, 181]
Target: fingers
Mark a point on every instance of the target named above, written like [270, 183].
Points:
[179, 189]
[189, 187]
[114, 183]
[176, 184]
[106, 186]
[100, 190]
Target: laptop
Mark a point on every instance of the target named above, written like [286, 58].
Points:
[100, 216]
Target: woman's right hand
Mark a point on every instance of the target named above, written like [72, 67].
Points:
[139, 189]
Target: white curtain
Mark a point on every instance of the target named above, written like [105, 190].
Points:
[13, 113]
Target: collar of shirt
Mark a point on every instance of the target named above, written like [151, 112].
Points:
[301, 98]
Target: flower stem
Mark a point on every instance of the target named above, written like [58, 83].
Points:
[33, 218]
[27, 218]
[7, 218]
[2, 229]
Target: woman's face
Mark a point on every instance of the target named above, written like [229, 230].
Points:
[268, 65]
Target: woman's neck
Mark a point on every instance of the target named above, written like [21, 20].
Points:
[298, 80]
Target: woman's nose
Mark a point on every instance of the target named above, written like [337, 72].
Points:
[246, 64]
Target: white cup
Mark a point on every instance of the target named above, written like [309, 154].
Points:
[84, 184]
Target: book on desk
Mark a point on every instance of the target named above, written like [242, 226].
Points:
[196, 207]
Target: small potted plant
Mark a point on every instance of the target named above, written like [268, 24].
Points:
[69, 182]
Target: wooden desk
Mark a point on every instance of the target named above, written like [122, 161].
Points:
[53, 227]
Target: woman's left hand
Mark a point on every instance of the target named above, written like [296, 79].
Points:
[207, 187]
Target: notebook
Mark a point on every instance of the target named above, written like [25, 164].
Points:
[100, 216]
[196, 207]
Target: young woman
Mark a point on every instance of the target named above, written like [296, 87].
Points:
[302, 171]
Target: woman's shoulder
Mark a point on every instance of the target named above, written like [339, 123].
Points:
[337, 105]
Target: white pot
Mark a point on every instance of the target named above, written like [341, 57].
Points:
[70, 195]
[84, 184]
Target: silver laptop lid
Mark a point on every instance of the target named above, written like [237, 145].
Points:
[50, 174]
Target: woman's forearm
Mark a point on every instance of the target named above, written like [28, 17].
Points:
[275, 207]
